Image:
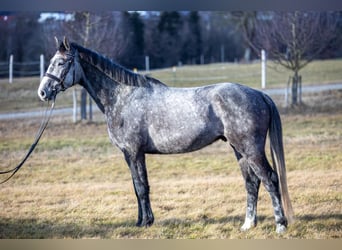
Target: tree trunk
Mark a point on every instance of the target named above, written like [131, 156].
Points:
[74, 100]
[295, 85]
[85, 44]
[90, 109]
[83, 104]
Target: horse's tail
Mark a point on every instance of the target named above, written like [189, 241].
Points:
[277, 153]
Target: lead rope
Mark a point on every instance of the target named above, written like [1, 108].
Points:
[44, 123]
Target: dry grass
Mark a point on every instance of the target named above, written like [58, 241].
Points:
[76, 185]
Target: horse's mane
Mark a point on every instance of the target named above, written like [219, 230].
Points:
[113, 70]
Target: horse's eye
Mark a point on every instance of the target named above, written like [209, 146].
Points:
[60, 63]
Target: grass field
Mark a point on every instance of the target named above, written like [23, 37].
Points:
[77, 185]
[317, 72]
[21, 95]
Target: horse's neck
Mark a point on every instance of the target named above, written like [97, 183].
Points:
[98, 86]
[102, 89]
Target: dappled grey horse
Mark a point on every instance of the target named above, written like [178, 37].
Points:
[144, 116]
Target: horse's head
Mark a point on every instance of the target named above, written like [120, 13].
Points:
[62, 73]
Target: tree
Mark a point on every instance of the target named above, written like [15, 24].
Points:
[153, 46]
[293, 39]
[7, 25]
[17, 39]
[80, 30]
[221, 39]
[192, 46]
[169, 37]
[134, 29]
[245, 21]
[99, 31]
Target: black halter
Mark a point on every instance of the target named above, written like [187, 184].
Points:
[63, 76]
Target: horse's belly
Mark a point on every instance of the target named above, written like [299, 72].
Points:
[181, 121]
[181, 140]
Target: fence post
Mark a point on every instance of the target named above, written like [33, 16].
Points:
[84, 104]
[222, 53]
[263, 69]
[147, 64]
[90, 109]
[41, 66]
[202, 59]
[11, 69]
[174, 70]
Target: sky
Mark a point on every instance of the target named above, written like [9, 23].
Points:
[55, 15]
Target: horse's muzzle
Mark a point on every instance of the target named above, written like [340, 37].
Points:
[47, 94]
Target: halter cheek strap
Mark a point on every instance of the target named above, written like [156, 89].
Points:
[57, 79]
[53, 77]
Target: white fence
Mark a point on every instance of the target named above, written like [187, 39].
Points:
[12, 68]
[36, 68]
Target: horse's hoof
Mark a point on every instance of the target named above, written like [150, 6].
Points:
[248, 225]
[281, 229]
[145, 223]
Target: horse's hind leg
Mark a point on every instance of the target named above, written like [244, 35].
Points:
[262, 169]
[252, 184]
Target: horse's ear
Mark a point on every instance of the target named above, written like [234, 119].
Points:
[57, 43]
[66, 43]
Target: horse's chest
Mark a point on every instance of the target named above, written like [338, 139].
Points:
[124, 131]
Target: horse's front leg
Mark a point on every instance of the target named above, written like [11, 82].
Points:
[137, 166]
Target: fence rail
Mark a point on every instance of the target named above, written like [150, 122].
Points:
[12, 68]
[4, 67]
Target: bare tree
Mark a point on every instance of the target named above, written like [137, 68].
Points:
[292, 39]
[99, 31]
[246, 22]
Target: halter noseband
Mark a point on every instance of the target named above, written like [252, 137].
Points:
[61, 80]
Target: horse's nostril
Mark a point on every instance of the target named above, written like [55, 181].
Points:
[42, 93]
